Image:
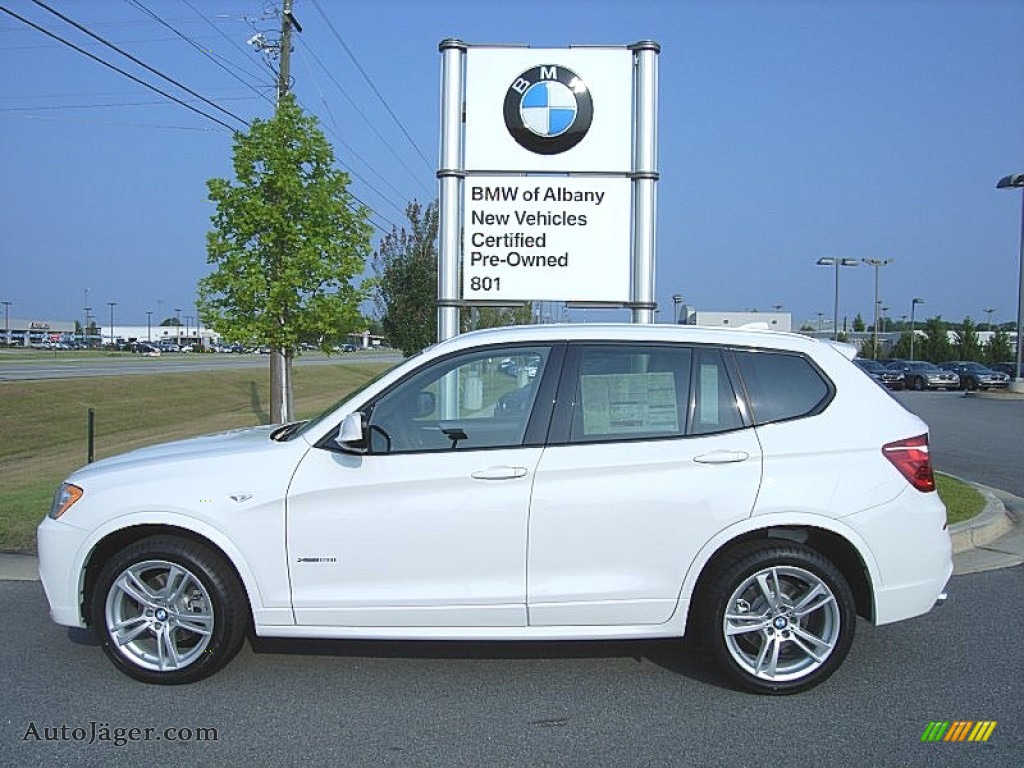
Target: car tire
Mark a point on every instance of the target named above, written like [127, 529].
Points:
[971, 384]
[919, 385]
[168, 610]
[778, 617]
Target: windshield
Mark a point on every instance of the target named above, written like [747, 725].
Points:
[300, 428]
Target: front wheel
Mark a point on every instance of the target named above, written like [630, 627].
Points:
[778, 617]
[919, 384]
[169, 611]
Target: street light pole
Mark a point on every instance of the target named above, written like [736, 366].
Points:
[149, 325]
[830, 261]
[913, 306]
[1016, 180]
[677, 300]
[989, 312]
[111, 304]
[876, 263]
[7, 323]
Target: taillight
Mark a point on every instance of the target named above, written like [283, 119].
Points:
[912, 459]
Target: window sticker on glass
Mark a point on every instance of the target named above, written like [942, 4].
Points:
[708, 413]
[625, 403]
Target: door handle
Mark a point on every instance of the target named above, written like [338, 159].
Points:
[499, 473]
[722, 457]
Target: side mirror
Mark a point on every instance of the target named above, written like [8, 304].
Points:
[352, 435]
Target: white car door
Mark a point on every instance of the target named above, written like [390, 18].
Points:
[655, 458]
[428, 527]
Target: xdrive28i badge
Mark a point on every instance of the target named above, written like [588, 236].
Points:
[548, 109]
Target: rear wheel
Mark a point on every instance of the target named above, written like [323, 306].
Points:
[971, 384]
[919, 384]
[168, 611]
[779, 617]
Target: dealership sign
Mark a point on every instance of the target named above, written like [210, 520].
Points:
[549, 110]
[546, 239]
[547, 174]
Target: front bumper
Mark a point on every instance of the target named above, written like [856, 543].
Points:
[60, 570]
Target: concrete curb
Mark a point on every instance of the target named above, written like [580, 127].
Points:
[984, 528]
[18, 567]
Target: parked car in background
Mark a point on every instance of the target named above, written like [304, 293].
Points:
[145, 348]
[976, 376]
[1008, 367]
[752, 488]
[919, 375]
[880, 373]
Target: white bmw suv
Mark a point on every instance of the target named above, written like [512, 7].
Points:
[530, 483]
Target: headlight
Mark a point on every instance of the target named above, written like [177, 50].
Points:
[64, 499]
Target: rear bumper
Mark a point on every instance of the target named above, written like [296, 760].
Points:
[913, 553]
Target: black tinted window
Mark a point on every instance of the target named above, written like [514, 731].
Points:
[781, 386]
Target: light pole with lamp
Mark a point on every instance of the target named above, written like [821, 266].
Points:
[835, 261]
[1013, 181]
[913, 306]
[877, 264]
[989, 312]
[177, 328]
[7, 323]
[149, 325]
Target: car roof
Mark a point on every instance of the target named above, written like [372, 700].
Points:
[749, 337]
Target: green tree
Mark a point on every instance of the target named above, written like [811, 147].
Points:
[858, 324]
[405, 280]
[935, 346]
[495, 317]
[998, 349]
[868, 348]
[902, 349]
[171, 321]
[286, 242]
[968, 344]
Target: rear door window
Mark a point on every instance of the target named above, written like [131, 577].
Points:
[781, 385]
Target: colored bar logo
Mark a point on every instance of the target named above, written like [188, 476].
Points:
[958, 730]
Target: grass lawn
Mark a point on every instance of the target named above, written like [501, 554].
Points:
[44, 423]
[962, 500]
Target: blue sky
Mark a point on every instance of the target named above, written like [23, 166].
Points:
[788, 131]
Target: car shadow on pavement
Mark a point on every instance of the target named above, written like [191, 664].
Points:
[80, 636]
[682, 657]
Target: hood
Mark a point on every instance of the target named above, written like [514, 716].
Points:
[208, 448]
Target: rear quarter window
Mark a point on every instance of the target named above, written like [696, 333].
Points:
[782, 385]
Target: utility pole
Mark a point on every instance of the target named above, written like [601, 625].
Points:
[281, 398]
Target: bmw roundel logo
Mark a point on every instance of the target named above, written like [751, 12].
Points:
[548, 109]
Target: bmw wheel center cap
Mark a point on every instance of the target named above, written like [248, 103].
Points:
[548, 109]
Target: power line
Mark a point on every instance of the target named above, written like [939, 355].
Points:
[201, 49]
[107, 105]
[335, 132]
[373, 128]
[138, 61]
[117, 69]
[371, 84]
